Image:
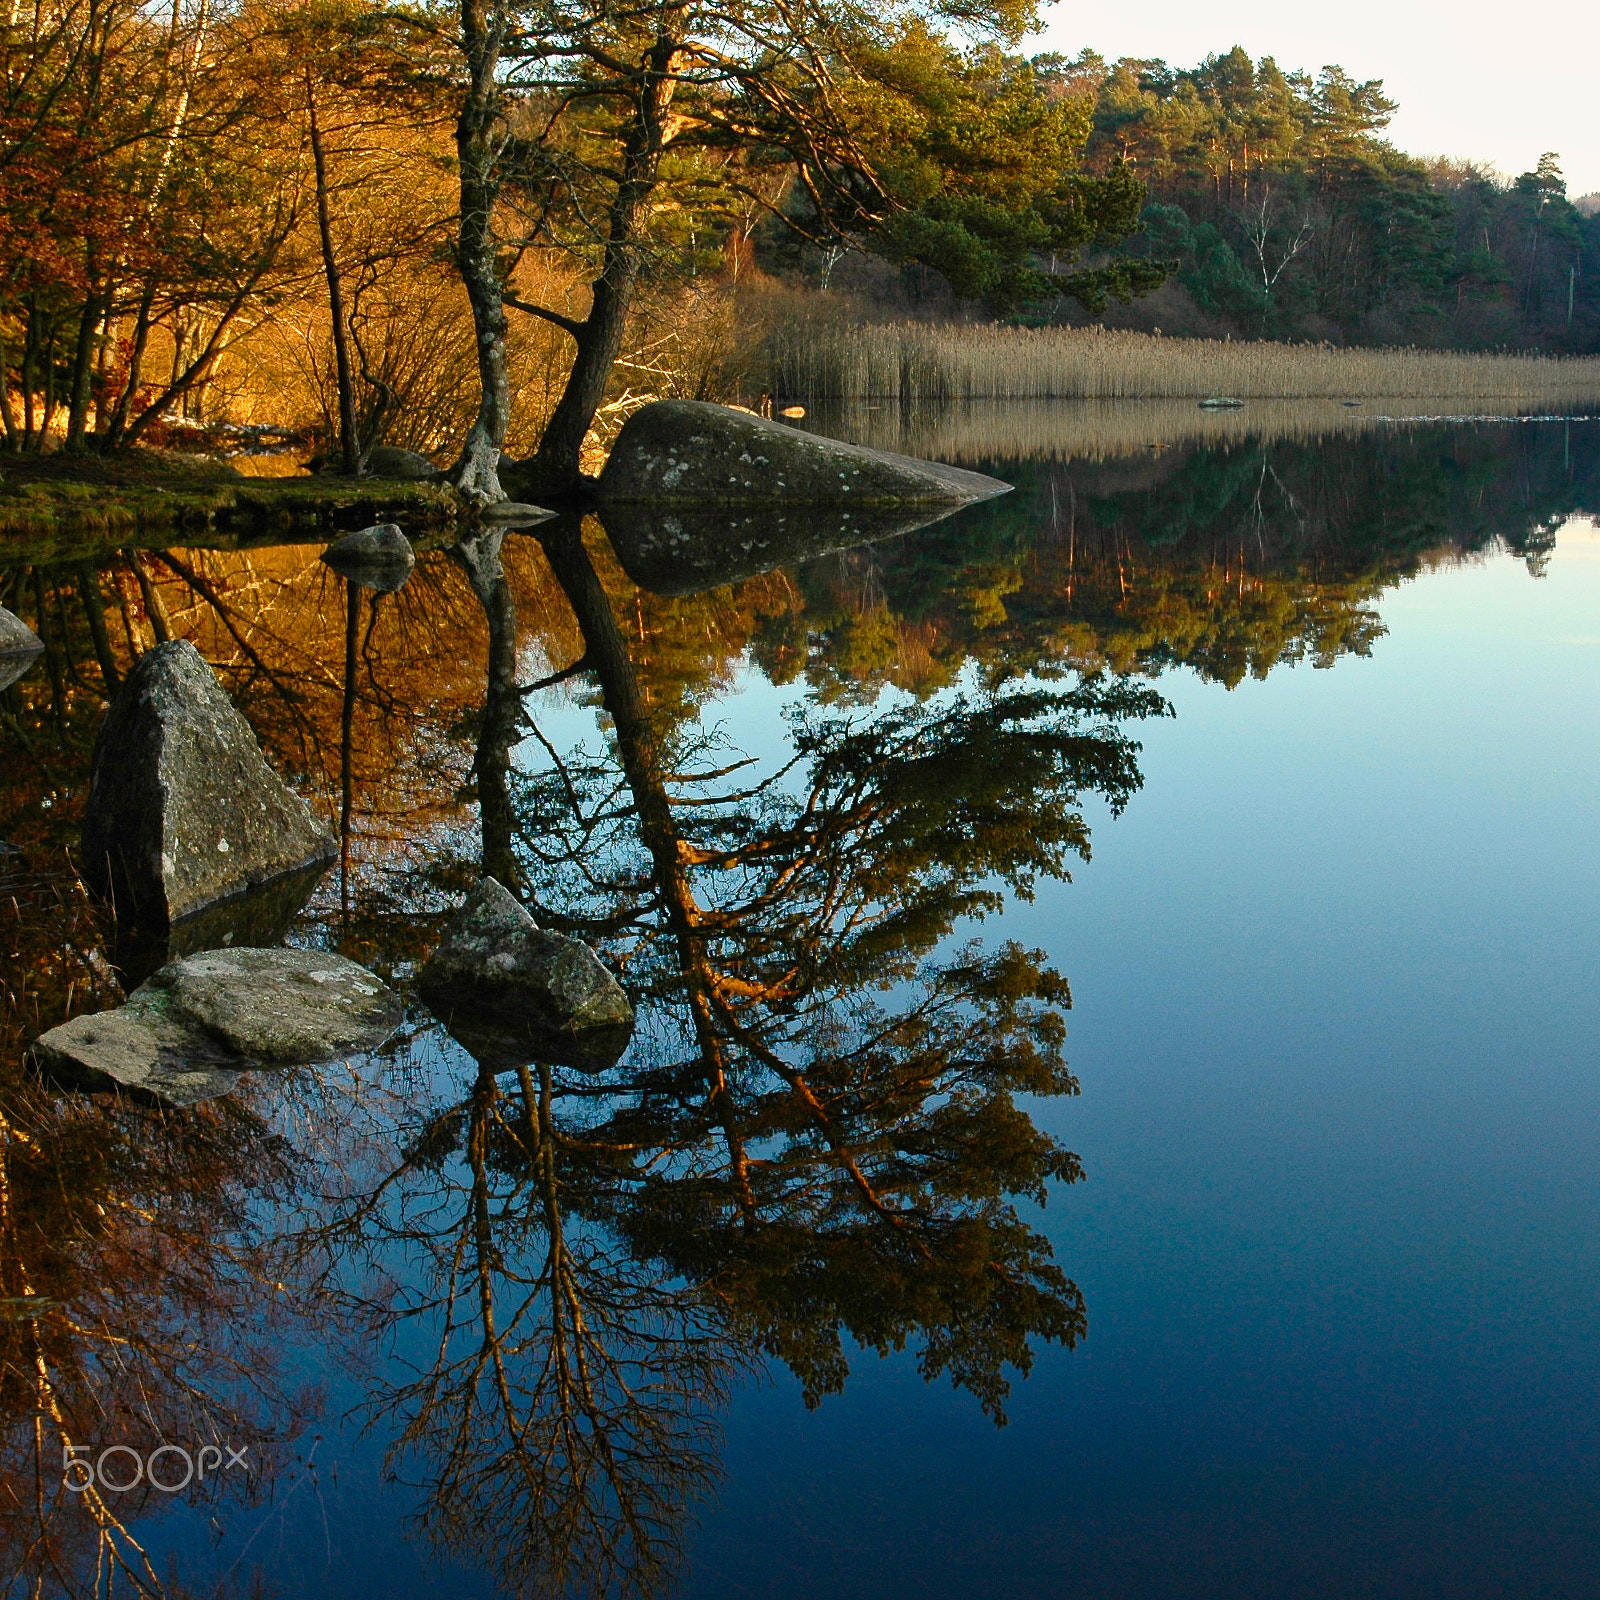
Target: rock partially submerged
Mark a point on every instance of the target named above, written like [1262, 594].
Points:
[512, 514]
[146, 1058]
[20, 647]
[389, 461]
[513, 992]
[681, 551]
[378, 558]
[183, 810]
[688, 452]
[274, 1006]
[187, 1033]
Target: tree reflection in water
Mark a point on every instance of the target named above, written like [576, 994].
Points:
[821, 1137]
[818, 1136]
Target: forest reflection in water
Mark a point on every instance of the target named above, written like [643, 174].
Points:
[821, 1138]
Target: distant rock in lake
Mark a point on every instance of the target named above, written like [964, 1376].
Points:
[512, 514]
[187, 1033]
[20, 647]
[683, 550]
[688, 452]
[379, 557]
[513, 992]
[183, 810]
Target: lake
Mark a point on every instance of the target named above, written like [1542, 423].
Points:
[1273, 1273]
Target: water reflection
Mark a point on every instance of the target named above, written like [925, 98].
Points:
[821, 1138]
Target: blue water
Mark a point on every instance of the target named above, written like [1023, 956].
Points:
[1336, 1024]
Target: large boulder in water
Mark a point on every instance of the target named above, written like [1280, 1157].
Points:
[513, 992]
[688, 452]
[183, 809]
[187, 1033]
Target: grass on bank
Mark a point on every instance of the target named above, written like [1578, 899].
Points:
[56, 504]
[922, 363]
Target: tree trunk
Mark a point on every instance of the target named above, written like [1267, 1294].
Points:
[555, 471]
[49, 415]
[118, 423]
[155, 611]
[30, 349]
[347, 724]
[7, 414]
[83, 372]
[94, 607]
[477, 252]
[639, 748]
[349, 432]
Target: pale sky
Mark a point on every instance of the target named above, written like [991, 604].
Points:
[1497, 83]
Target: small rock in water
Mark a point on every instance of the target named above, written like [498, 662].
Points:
[279, 1006]
[378, 558]
[513, 992]
[183, 809]
[1221, 403]
[20, 647]
[145, 1057]
[389, 461]
[188, 1032]
[688, 452]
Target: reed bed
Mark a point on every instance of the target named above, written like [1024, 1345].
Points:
[1103, 430]
[815, 358]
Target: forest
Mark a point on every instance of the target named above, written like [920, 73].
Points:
[488, 230]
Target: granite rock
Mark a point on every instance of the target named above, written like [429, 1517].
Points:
[378, 558]
[512, 514]
[689, 452]
[389, 461]
[183, 810]
[20, 647]
[513, 992]
[276, 1006]
[191, 1030]
[148, 1058]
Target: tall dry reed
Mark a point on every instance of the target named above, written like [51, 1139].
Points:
[817, 358]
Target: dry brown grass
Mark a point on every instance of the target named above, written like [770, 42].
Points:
[825, 357]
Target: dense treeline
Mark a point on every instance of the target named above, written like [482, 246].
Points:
[1288, 215]
[1291, 215]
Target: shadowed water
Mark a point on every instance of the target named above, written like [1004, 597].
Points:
[1280, 749]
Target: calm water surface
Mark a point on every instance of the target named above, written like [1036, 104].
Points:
[1319, 1319]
